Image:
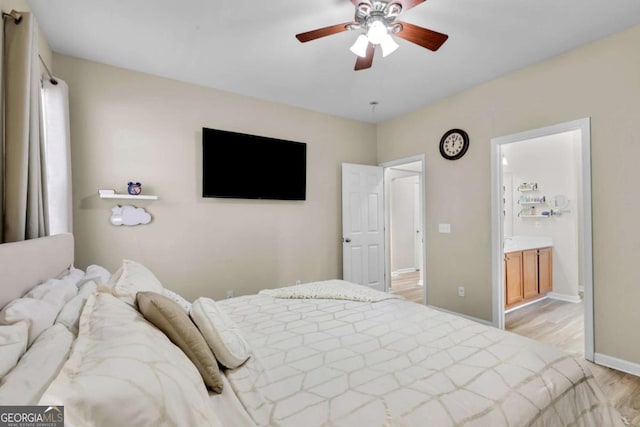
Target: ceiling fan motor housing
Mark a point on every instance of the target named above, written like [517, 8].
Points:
[378, 11]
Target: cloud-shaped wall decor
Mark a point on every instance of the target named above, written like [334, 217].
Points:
[129, 215]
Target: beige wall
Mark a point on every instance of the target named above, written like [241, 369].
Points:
[600, 80]
[131, 126]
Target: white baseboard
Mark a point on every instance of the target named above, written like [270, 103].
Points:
[568, 298]
[525, 304]
[403, 270]
[618, 364]
[475, 319]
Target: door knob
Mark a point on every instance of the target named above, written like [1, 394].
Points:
[347, 240]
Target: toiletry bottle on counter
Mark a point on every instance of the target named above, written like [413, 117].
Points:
[532, 211]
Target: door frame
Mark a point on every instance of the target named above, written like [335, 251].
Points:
[497, 230]
[387, 225]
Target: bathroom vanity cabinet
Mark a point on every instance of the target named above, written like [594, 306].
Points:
[528, 275]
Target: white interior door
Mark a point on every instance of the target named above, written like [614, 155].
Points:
[363, 225]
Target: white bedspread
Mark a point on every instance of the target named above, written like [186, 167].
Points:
[396, 363]
[330, 289]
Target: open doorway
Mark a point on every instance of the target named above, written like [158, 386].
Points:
[368, 228]
[541, 230]
[404, 208]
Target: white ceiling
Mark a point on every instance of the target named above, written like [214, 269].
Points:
[248, 46]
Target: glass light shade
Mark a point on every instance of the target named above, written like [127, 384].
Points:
[360, 46]
[388, 45]
[377, 31]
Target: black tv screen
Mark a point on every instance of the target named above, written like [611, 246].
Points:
[236, 165]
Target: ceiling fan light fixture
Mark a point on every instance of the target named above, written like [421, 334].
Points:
[388, 45]
[377, 32]
[363, 9]
[393, 10]
[395, 28]
[360, 46]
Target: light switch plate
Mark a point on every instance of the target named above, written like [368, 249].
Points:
[444, 228]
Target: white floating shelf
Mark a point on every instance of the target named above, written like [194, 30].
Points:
[532, 203]
[534, 216]
[128, 196]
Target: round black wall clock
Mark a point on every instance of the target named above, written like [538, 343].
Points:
[454, 144]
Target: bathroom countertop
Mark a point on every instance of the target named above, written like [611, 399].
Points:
[523, 243]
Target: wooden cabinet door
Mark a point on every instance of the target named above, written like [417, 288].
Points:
[545, 270]
[530, 273]
[513, 275]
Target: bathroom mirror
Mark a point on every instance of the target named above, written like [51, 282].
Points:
[560, 202]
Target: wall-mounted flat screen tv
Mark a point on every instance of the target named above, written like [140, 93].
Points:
[240, 166]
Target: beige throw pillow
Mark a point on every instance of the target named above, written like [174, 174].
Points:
[170, 318]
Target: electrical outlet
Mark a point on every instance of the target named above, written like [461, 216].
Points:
[444, 228]
[230, 294]
[460, 291]
[298, 282]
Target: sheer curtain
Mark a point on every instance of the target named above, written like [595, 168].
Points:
[57, 157]
[31, 155]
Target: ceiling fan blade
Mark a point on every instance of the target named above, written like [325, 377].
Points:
[323, 32]
[367, 61]
[408, 4]
[429, 39]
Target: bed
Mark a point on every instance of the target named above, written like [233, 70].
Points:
[328, 353]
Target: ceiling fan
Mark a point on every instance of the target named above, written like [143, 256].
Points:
[377, 20]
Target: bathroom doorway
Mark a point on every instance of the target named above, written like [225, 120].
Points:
[404, 203]
[541, 200]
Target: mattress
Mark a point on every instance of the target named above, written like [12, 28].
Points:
[397, 363]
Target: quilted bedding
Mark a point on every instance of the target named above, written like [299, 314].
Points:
[396, 363]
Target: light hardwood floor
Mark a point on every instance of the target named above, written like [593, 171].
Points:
[406, 284]
[561, 324]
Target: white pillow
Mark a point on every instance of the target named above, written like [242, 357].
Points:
[124, 371]
[72, 275]
[25, 384]
[54, 291]
[220, 332]
[38, 313]
[186, 305]
[69, 316]
[13, 344]
[132, 278]
[95, 273]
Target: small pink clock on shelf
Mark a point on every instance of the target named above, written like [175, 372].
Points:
[134, 188]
